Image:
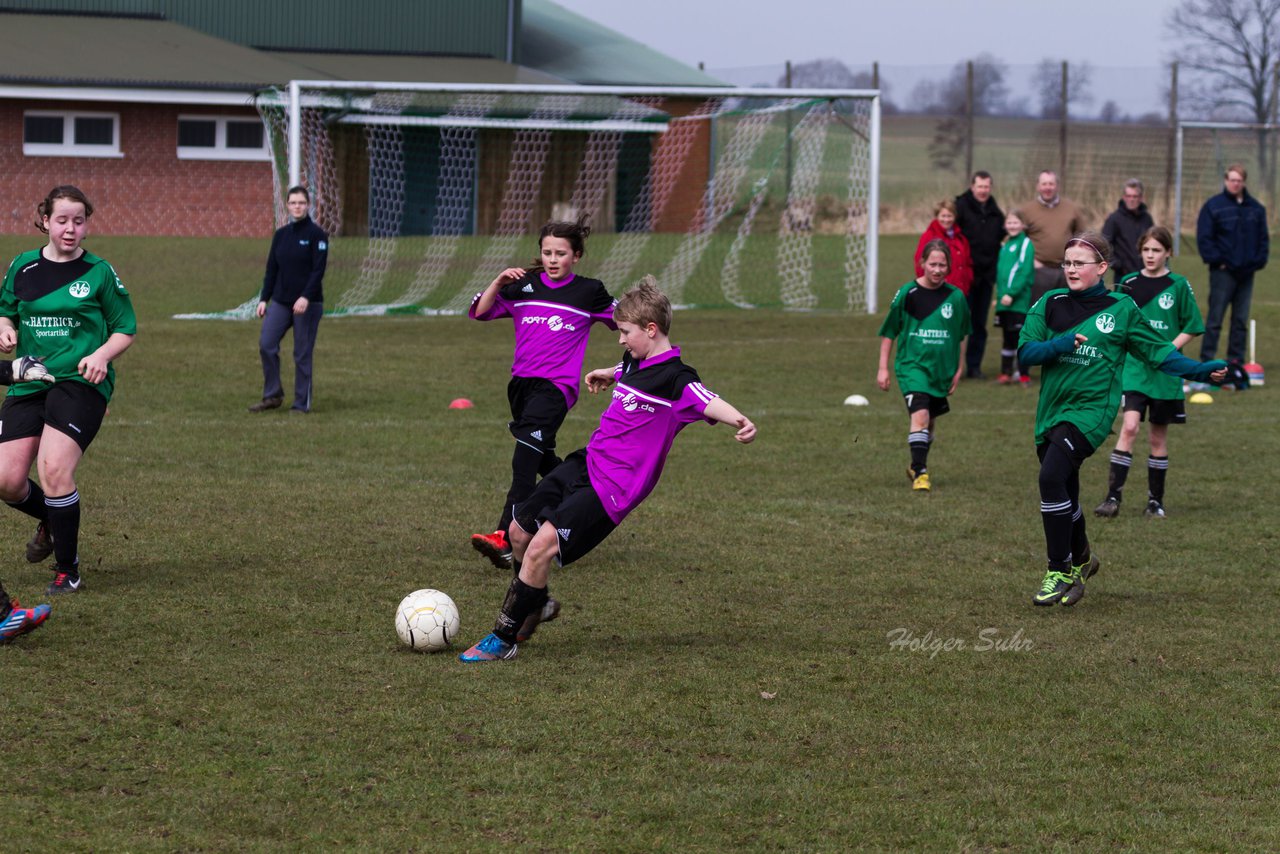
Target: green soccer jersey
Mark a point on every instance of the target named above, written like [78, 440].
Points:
[1170, 308]
[63, 312]
[1082, 387]
[1015, 273]
[927, 326]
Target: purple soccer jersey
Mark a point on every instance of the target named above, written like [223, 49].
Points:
[652, 402]
[553, 321]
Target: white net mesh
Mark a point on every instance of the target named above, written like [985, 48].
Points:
[729, 199]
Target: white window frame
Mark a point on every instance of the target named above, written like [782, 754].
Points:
[69, 147]
[220, 151]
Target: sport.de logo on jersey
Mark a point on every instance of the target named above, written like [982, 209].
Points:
[631, 403]
[1106, 323]
[1166, 301]
[79, 290]
[947, 310]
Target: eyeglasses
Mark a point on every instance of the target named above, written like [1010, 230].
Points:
[1074, 265]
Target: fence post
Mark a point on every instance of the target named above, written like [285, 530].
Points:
[968, 120]
[1173, 136]
[1062, 132]
[788, 86]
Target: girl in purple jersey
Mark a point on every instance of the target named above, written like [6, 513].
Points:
[553, 310]
[576, 506]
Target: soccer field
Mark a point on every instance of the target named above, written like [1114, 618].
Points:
[783, 648]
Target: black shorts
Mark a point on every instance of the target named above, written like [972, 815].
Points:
[1011, 320]
[918, 400]
[1162, 411]
[1069, 438]
[538, 409]
[566, 499]
[70, 407]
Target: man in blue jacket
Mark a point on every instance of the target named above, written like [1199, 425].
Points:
[1232, 236]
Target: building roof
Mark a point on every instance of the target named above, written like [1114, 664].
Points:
[557, 41]
[411, 69]
[132, 52]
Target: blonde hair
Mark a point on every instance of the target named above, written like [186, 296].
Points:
[645, 303]
[945, 204]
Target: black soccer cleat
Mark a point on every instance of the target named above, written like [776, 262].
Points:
[1155, 510]
[548, 612]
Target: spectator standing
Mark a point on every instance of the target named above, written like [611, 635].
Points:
[1051, 221]
[944, 228]
[1231, 234]
[982, 223]
[1125, 227]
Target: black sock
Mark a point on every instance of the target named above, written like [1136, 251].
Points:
[64, 527]
[33, 504]
[522, 600]
[525, 462]
[1157, 468]
[5, 604]
[1079, 538]
[1006, 362]
[549, 462]
[1119, 473]
[918, 442]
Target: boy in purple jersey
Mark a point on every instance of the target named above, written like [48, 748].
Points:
[576, 506]
[553, 311]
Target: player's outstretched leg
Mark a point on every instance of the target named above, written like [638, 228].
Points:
[16, 620]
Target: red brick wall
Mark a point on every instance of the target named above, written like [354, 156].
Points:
[149, 190]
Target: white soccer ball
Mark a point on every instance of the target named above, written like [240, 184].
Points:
[856, 400]
[427, 621]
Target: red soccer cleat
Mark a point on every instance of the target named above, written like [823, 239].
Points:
[495, 547]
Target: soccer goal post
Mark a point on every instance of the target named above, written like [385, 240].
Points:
[1202, 153]
[729, 196]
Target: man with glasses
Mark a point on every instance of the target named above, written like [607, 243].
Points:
[1051, 221]
[1231, 234]
[1128, 222]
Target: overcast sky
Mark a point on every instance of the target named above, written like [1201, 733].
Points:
[735, 33]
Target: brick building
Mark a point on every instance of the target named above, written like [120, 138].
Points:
[148, 105]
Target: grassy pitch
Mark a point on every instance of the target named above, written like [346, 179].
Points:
[783, 648]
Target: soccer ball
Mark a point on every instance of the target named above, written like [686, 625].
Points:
[427, 621]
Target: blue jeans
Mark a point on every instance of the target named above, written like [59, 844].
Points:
[1227, 288]
[277, 321]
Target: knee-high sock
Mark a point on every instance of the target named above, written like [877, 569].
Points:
[1120, 462]
[918, 443]
[1058, 506]
[1157, 469]
[33, 504]
[521, 601]
[525, 462]
[64, 527]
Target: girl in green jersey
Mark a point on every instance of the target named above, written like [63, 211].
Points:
[68, 307]
[1083, 336]
[1170, 308]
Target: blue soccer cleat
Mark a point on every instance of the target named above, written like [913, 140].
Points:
[490, 648]
[19, 621]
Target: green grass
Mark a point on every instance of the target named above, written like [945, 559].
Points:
[722, 676]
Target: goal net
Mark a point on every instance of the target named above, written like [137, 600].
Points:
[730, 197]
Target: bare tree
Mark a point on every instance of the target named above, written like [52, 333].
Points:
[834, 74]
[990, 94]
[1047, 82]
[1234, 46]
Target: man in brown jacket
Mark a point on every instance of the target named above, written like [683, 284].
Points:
[1051, 221]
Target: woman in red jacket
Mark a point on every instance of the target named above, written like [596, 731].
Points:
[944, 228]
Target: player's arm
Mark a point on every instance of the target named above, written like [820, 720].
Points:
[955, 381]
[489, 295]
[93, 367]
[723, 411]
[882, 374]
[24, 369]
[1182, 338]
[600, 379]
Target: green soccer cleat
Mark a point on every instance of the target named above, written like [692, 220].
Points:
[1079, 575]
[1053, 587]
